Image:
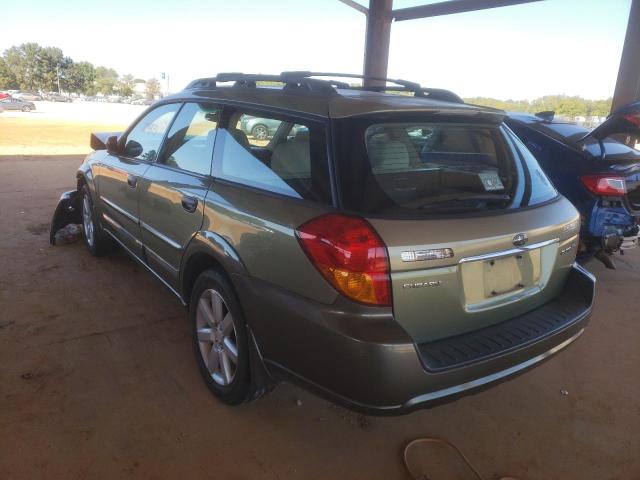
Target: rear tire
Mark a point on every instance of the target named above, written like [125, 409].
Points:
[260, 132]
[220, 339]
[97, 242]
[26, 109]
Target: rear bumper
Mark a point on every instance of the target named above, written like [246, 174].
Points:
[361, 358]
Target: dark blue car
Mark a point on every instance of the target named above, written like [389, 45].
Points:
[599, 174]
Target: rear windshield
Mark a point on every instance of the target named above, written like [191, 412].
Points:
[570, 132]
[423, 167]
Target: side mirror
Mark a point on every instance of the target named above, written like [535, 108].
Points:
[112, 144]
[133, 149]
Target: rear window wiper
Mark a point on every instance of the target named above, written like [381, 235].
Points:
[474, 197]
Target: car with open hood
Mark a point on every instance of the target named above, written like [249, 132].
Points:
[384, 251]
[594, 169]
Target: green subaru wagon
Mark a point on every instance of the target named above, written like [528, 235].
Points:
[387, 247]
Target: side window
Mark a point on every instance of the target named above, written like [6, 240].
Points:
[143, 142]
[542, 189]
[189, 145]
[259, 130]
[292, 162]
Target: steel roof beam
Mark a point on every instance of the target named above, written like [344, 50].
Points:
[356, 5]
[452, 6]
[628, 83]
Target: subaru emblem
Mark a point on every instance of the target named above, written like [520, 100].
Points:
[520, 239]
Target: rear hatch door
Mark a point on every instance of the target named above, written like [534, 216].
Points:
[476, 234]
[616, 157]
[490, 269]
[624, 121]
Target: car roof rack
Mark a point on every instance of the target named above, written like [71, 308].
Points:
[303, 80]
[290, 81]
[432, 93]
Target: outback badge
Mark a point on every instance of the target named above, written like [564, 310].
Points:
[520, 239]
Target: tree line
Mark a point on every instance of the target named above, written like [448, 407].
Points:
[32, 67]
[35, 68]
[569, 106]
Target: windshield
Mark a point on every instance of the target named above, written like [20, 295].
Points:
[422, 167]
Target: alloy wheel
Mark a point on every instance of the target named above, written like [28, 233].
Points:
[217, 339]
[260, 132]
[87, 221]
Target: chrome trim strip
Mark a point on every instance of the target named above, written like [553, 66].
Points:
[584, 271]
[159, 235]
[490, 304]
[135, 257]
[119, 209]
[161, 260]
[491, 378]
[506, 253]
[120, 228]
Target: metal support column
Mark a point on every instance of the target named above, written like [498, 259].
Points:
[378, 38]
[628, 84]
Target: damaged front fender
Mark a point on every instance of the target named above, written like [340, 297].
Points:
[68, 211]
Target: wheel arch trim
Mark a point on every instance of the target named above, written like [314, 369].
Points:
[213, 245]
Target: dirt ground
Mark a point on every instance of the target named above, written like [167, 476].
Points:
[98, 381]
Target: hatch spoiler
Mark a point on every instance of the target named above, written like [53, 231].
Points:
[624, 121]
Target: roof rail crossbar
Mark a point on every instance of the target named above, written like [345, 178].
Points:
[432, 93]
[305, 74]
[202, 83]
[295, 80]
[303, 79]
[239, 79]
[247, 77]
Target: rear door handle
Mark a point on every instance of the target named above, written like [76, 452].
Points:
[189, 203]
[132, 181]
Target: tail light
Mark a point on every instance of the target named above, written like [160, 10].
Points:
[605, 185]
[633, 118]
[349, 253]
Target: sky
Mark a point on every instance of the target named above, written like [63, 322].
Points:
[570, 47]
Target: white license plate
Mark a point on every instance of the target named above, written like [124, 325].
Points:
[503, 275]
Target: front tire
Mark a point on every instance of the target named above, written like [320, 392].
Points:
[94, 237]
[220, 339]
[26, 109]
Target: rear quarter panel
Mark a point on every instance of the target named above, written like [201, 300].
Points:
[260, 227]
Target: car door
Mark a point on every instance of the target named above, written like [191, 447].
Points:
[118, 175]
[12, 104]
[174, 188]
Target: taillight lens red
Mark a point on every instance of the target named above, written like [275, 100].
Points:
[605, 185]
[633, 118]
[349, 253]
